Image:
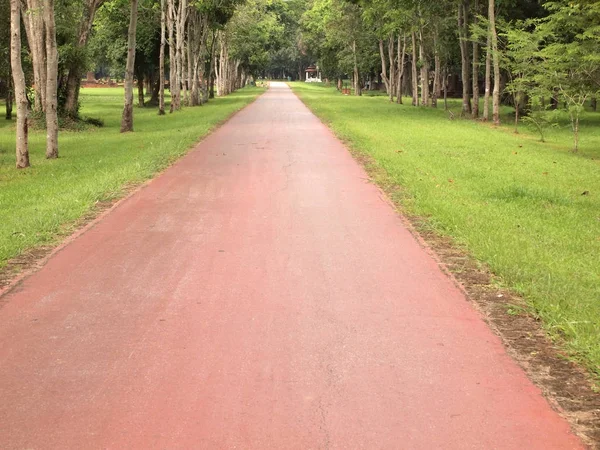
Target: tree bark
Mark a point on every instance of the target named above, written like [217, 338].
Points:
[424, 70]
[174, 86]
[391, 54]
[51, 81]
[161, 64]
[415, 81]
[127, 120]
[488, 76]
[140, 88]
[401, 56]
[496, 63]
[22, 144]
[357, 87]
[9, 96]
[437, 72]
[475, 77]
[33, 19]
[384, 76]
[463, 34]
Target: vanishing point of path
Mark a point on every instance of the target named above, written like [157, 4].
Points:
[259, 294]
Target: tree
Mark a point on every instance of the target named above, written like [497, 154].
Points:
[22, 147]
[51, 108]
[161, 95]
[127, 120]
[496, 62]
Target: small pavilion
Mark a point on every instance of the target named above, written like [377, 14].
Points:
[313, 75]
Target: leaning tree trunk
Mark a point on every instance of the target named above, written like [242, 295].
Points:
[496, 61]
[488, 76]
[22, 145]
[51, 82]
[463, 33]
[384, 75]
[475, 111]
[127, 120]
[415, 76]
[161, 64]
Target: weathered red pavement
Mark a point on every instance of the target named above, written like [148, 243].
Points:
[259, 294]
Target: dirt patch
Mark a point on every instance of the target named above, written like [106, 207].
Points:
[568, 387]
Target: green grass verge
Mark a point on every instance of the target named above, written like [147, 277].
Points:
[94, 165]
[512, 202]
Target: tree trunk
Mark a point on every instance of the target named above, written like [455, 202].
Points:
[73, 83]
[180, 45]
[437, 91]
[488, 76]
[9, 96]
[51, 82]
[161, 64]
[357, 87]
[211, 70]
[496, 63]
[33, 20]
[475, 112]
[127, 120]
[384, 76]
[424, 70]
[415, 81]
[391, 54]
[401, 56]
[140, 89]
[22, 144]
[174, 86]
[463, 34]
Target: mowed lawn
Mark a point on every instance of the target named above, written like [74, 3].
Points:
[94, 165]
[512, 202]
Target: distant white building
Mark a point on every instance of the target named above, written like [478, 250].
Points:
[313, 75]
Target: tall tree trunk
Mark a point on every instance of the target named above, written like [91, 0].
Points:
[22, 144]
[384, 76]
[357, 87]
[9, 97]
[437, 72]
[496, 62]
[51, 81]
[475, 77]
[401, 56]
[33, 19]
[210, 88]
[424, 70]
[174, 86]
[392, 55]
[463, 34]
[180, 44]
[488, 77]
[73, 83]
[415, 80]
[127, 120]
[140, 88]
[161, 58]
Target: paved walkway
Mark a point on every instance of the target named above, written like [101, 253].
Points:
[259, 294]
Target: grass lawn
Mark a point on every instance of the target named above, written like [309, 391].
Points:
[94, 165]
[512, 202]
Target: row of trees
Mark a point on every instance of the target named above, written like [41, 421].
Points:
[528, 53]
[191, 45]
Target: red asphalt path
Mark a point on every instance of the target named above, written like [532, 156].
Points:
[259, 294]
